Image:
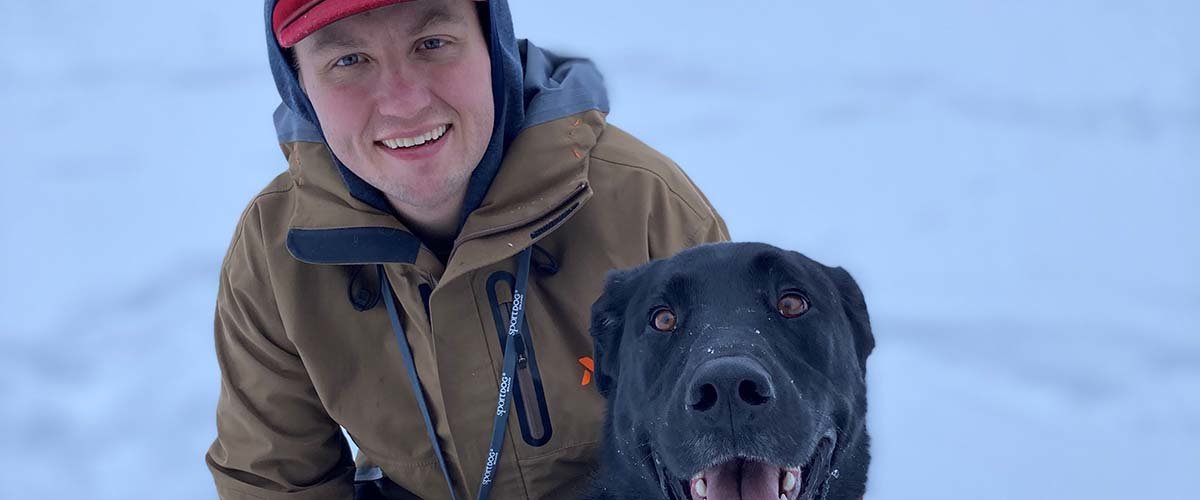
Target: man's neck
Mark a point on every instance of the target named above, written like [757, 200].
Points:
[436, 227]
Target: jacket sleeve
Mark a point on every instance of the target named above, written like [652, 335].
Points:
[274, 437]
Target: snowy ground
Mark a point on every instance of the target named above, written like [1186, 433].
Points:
[1015, 184]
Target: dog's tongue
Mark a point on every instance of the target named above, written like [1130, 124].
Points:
[744, 480]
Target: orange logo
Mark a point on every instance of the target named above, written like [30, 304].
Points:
[588, 368]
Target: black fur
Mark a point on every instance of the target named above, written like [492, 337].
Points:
[725, 297]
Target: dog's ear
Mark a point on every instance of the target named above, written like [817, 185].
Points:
[855, 307]
[608, 321]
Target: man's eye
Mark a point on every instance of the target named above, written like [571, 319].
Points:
[349, 60]
[433, 44]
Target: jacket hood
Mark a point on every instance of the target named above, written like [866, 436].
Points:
[530, 86]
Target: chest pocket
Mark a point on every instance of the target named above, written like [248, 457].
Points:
[529, 396]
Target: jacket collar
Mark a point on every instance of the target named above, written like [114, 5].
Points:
[540, 184]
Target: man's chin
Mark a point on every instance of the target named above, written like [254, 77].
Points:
[423, 197]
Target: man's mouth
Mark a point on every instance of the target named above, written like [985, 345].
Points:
[407, 143]
[748, 479]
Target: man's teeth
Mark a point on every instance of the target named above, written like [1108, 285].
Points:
[408, 142]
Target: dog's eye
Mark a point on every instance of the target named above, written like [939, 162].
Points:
[663, 319]
[792, 305]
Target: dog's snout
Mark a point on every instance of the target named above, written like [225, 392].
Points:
[735, 381]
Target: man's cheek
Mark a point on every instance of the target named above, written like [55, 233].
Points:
[342, 117]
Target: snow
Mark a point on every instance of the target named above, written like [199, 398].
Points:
[1015, 185]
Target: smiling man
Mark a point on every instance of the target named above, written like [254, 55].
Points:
[413, 122]
[421, 275]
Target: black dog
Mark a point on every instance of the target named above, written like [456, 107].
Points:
[732, 371]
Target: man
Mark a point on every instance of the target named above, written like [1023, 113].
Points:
[447, 187]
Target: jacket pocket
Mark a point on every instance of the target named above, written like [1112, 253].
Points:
[529, 395]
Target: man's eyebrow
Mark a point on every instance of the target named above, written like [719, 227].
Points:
[336, 40]
[435, 17]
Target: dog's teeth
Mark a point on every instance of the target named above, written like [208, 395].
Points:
[789, 481]
[701, 488]
[782, 497]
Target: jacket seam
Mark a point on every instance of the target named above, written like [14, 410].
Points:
[403, 465]
[253, 205]
[699, 214]
[275, 296]
[557, 451]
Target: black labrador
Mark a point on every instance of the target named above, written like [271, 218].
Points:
[732, 371]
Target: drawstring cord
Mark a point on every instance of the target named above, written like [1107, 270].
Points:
[507, 371]
[410, 365]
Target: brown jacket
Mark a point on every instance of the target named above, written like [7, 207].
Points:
[305, 345]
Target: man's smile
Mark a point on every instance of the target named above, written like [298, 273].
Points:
[408, 142]
[416, 147]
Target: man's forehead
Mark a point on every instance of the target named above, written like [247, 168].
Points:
[352, 31]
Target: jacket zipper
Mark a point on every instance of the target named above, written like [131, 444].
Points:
[529, 396]
[566, 201]
[528, 392]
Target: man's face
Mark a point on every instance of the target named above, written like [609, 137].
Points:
[389, 78]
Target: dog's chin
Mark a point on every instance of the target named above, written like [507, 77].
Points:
[754, 478]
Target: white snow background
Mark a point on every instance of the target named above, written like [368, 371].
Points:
[1014, 184]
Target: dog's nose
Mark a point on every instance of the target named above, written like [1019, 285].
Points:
[737, 380]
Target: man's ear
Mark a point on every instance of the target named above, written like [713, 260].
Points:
[855, 307]
[608, 323]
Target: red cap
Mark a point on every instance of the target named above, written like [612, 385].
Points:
[293, 20]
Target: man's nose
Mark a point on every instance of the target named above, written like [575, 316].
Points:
[402, 92]
[732, 383]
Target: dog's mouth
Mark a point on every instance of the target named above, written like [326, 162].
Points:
[742, 478]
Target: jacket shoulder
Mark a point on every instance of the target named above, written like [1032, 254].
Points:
[627, 165]
[264, 220]
[616, 148]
